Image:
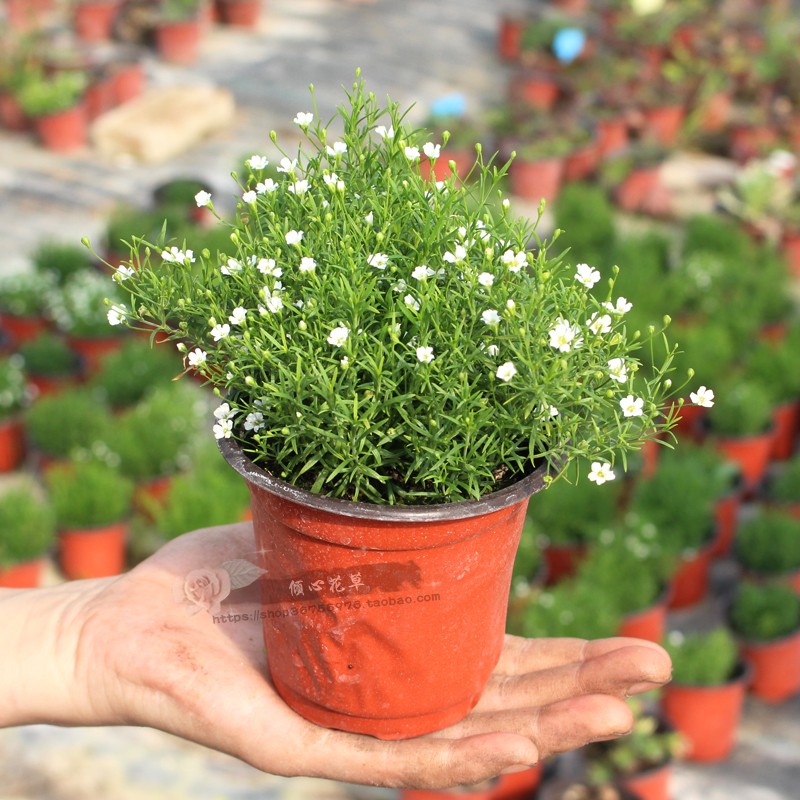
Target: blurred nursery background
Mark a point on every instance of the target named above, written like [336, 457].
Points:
[663, 136]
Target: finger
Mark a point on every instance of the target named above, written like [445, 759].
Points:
[521, 655]
[558, 727]
[623, 671]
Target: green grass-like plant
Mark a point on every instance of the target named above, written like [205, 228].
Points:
[766, 612]
[48, 354]
[707, 658]
[12, 386]
[768, 543]
[27, 526]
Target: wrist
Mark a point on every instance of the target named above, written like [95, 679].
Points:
[39, 643]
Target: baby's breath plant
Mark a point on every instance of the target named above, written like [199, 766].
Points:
[12, 386]
[378, 336]
[77, 307]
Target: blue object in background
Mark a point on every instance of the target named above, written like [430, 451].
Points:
[568, 44]
[451, 105]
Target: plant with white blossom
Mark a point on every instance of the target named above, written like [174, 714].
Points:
[379, 336]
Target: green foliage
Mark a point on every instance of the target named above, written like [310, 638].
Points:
[179, 193]
[12, 386]
[61, 259]
[586, 214]
[25, 294]
[571, 510]
[742, 407]
[48, 354]
[51, 94]
[774, 366]
[784, 486]
[707, 658]
[528, 560]
[713, 233]
[27, 527]
[388, 353]
[87, 494]
[709, 349]
[211, 493]
[768, 543]
[155, 437]
[127, 375]
[57, 425]
[766, 612]
[125, 222]
[178, 10]
[79, 306]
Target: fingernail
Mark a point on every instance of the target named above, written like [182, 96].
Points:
[516, 768]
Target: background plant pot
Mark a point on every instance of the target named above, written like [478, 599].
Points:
[726, 515]
[26, 575]
[12, 117]
[128, 81]
[509, 37]
[65, 131]
[775, 667]
[612, 136]
[537, 179]
[179, 42]
[652, 784]
[12, 444]
[561, 561]
[93, 553]
[93, 349]
[690, 581]
[663, 123]
[534, 88]
[786, 421]
[636, 190]
[94, 19]
[649, 623]
[751, 453]
[22, 329]
[353, 591]
[707, 716]
[581, 163]
[241, 13]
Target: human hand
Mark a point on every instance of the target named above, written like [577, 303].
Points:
[124, 652]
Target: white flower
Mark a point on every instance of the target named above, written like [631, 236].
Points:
[492, 349]
[232, 266]
[197, 357]
[617, 369]
[459, 254]
[257, 162]
[586, 275]
[486, 279]
[299, 187]
[294, 237]
[220, 331]
[338, 336]
[510, 304]
[238, 316]
[422, 272]
[506, 203]
[378, 260]
[254, 421]
[266, 266]
[431, 150]
[336, 149]
[250, 197]
[369, 218]
[266, 187]
[273, 300]
[553, 411]
[601, 473]
[514, 261]
[303, 119]
[599, 323]
[564, 337]
[177, 256]
[702, 397]
[412, 153]
[490, 317]
[425, 355]
[411, 302]
[124, 272]
[384, 132]
[117, 314]
[344, 362]
[332, 181]
[224, 411]
[631, 406]
[307, 264]
[287, 165]
[203, 199]
[400, 286]
[621, 307]
[223, 429]
[505, 372]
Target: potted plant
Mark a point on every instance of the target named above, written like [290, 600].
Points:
[128, 375]
[241, 13]
[26, 532]
[93, 20]
[584, 211]
[782, 490]
[78, 311]
[767, 546]
[12, 402]
[91, 503]
[59, 425]
[705, 698]
[126, 221]
[351, 416]
[633, 176]
[50, 364]
[766, 620]
[640, 762]
[23, 304]
[179, 30]
[176, 198]
[60, 260]
[54, 103]
[18, 67]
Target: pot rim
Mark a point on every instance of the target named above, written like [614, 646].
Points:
[511, 495]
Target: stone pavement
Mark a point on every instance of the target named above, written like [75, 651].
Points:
[415, 51]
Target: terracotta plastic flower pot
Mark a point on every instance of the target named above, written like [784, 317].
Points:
[26, 575]
[690, 422]
[12, 117]
[612, 136]
[94, 19]
[534, 180]
[22, 329]
[775, 667]
[649, 623]
[786, 421]
[65, 131]
[534, 88]
[726, 515]
[581, 163]
[93, 350]
[240, 13]
[12, 444]
[751, 453]
[561, 561]
[383, 620]
[93, 553]
[128, 82]
[707, 716]
[514, 786]
[179, 42]
[663, 123]
[636, 190]
[689, 584]
[653, 784]
[27, 14]
[509, 37]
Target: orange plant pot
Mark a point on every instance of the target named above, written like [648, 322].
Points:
[776, 667]
[12, 117]
[706, 716]
[22, 329]
[534, 180]
[12, 444]
[149, 494]
[786, 421]
[439, 170]
[664, 123]
[751, 453]
[649, 623]
[353, 591]
[726, 515]
[93, 553]
[650, 785]
[561, 561]
[26, 575]
[128, 82]
[581, 163]
[65, 131]
[514, 786]
[633, 194]
[92, 350]
[509, 37]
[240, 13]
[534, 89]
[612, 136]
[94, 19]
[689, 584]
[179, 42]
